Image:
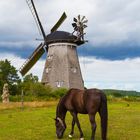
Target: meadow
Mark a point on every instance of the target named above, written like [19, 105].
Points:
[35, 121]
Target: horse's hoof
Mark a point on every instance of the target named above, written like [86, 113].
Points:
[81, 138]
[70, 136]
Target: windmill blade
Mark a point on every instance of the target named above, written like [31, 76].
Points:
[85, 21]
[84, 26]
[36, 17]
[74, 19]
[79, 17]
[82, 18]
[32, 59]
[59, 22]
[74, 24]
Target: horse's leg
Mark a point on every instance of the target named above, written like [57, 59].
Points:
[93, 125]
[78, 124]
[72, 129]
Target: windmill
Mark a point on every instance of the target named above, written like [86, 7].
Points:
[62, 67]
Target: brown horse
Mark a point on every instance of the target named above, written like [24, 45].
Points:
[89, 101]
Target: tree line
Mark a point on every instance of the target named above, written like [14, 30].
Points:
[29, 84]
[33, 89]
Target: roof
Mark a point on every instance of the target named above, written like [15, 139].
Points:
[62, 36]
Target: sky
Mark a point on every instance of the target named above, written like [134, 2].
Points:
[111, 57]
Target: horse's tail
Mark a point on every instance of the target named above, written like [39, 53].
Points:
[104, 116]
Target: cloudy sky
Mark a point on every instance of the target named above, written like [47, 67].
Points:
[110, 59]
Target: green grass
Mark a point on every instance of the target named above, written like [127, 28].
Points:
[36, 123]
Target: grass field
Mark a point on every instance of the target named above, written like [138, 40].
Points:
[35, 122]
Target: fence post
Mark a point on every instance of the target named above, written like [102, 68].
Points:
[22, 99]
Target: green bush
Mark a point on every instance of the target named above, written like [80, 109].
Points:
[38, 90]
[57, 93]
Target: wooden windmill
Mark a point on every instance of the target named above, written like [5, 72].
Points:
[62, 67]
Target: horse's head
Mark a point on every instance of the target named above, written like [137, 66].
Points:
[60, 127]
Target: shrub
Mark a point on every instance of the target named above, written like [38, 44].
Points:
[57, 93]
[41, 92]
[38, 90]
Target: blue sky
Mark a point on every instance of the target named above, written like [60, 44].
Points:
[110, 59]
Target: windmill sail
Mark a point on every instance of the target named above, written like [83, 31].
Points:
[60, 21]
[36, 17]
[32, 59]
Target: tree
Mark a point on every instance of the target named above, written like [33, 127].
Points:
[8, 74]
[30, 78]
[29, 81]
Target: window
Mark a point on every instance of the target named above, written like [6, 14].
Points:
[74, 69]
[48, 69]
[50, 57]
[59, 84]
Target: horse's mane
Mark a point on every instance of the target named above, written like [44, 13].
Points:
[58, 106]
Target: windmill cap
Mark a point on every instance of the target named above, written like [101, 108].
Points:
[62, 36]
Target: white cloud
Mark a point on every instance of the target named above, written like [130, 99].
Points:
[109, 21]
[96, 73]
[122, 74]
